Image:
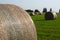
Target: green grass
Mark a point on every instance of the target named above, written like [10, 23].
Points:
[47, 29]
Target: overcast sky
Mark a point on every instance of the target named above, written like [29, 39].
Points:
[34, 4]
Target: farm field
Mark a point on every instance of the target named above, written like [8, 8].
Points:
[47, 29]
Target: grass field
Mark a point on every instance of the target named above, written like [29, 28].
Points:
[47, 29]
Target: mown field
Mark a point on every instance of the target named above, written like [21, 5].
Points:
[47, 29]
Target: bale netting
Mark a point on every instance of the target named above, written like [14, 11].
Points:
[15, 24]
[50, 16]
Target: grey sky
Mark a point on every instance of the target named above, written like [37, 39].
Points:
[34, 4]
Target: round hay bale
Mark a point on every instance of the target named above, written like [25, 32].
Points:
[33, 13]
[55, 15]
[15, 24]
[37, 12]
[30, 12]
[50, 15]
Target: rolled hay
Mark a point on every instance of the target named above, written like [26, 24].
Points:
[37, 12]
[50, 15]
[55, 15]
[15, 24]
[30, 12]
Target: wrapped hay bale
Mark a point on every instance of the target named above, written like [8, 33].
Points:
[55, 15]
[37, 12]
[15, 24]
[50, 15]
[30, 12]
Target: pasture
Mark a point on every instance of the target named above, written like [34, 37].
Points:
[47, 29]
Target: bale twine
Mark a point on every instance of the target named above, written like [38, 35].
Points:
[50, 16]
[15, 24]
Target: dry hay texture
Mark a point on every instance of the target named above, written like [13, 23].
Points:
[15, 24]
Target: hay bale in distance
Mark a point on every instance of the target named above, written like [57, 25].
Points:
[55, 15]
[15, 24]
[50, 16]
[30, 12]
[37, 12]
